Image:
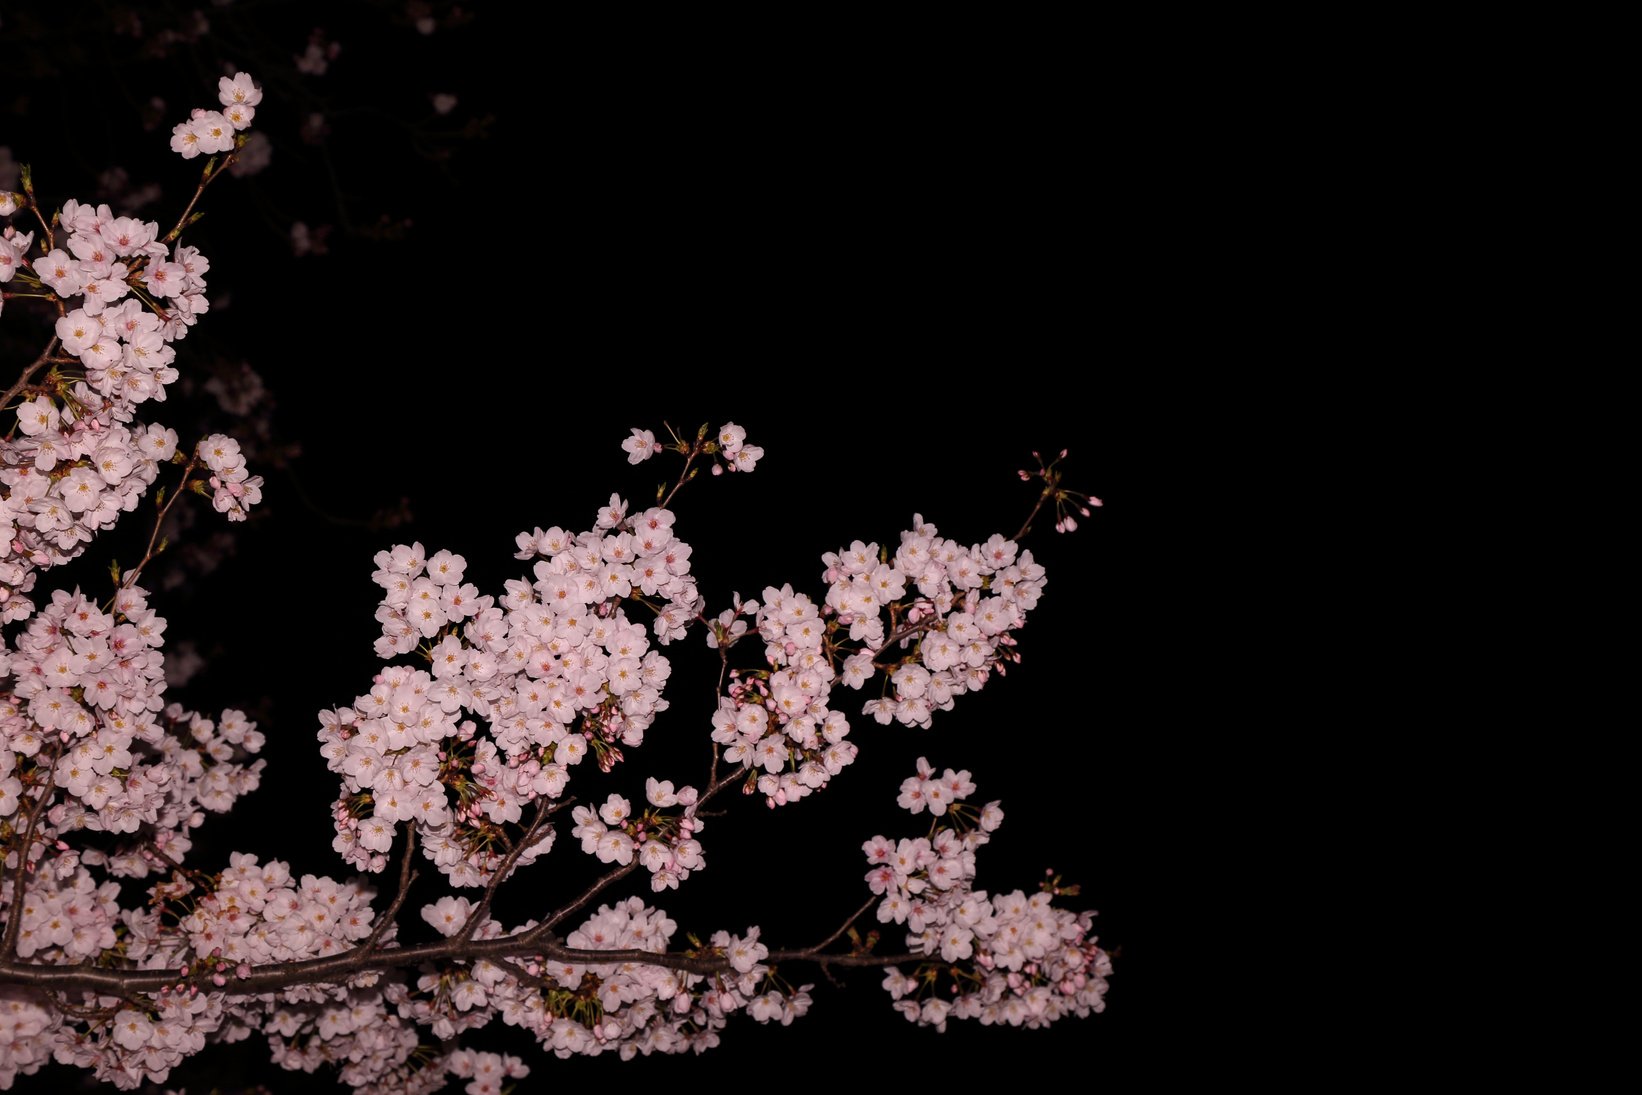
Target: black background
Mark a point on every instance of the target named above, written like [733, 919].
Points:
[891, 263]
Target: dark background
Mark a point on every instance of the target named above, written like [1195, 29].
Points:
[892, 265]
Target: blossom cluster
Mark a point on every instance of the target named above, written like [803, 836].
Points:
[81, 697]
[936, 616]
[1010, 958]
[519, 691]
[664, 844]
[214, 131]
[125, 295]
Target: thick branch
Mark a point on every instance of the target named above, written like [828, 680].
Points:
[340, 967]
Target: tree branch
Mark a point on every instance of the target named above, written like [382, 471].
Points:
[28, 373]
[207, 177]
[1026, 525]
[406, 877]
[544, 929]
[528, 840]
[19, 885]
[130, 578]
[338, 968]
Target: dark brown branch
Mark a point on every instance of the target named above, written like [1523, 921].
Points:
[406, 877]
[528, 840]
[545, 928]
[337, 968]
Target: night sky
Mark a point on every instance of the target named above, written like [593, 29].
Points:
[884, 268]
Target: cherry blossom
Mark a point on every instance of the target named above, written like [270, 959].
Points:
[496, 721]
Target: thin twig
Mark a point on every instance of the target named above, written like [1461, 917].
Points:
[528, 840]
[28, 373]
[130, 578]
[1026, 525]
[844, 927]
[19, 885]
[546, 927]
[684, 475]
[406, 877]
[207, 177]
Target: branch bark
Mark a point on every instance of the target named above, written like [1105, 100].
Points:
[364, 959]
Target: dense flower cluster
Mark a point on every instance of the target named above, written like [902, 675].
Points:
[1010, 958]
[519, 691]
[936, 616]
[125, 294]
[82, 714]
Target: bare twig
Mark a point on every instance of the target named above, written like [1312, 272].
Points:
[842, 928]
[207, 177]
[28, 373]
[406, 877]
[528, 840]
[1026, 525]
[130, 578]
[684, 476]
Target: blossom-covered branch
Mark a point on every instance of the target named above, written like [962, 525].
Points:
[461, 750]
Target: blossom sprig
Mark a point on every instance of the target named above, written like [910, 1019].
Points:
[664, 844]
[1069, 504]
[520, 690]
[215, 131]
[123, 296]
[727, 450]
[936, 618]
